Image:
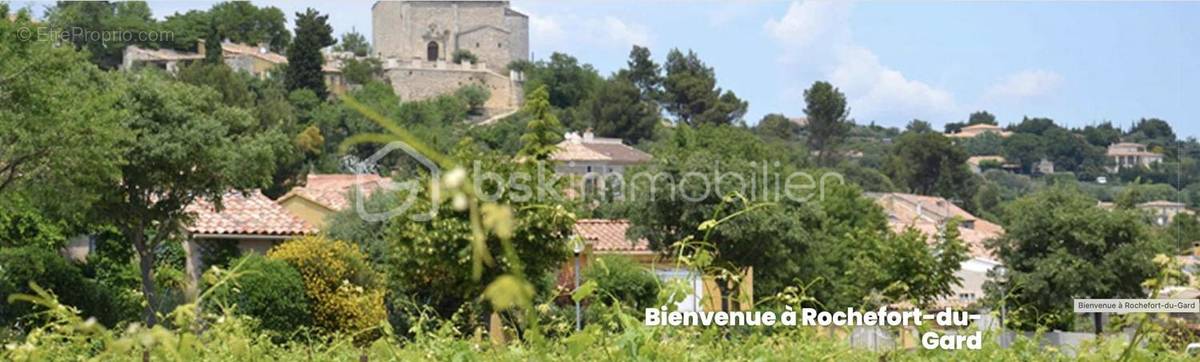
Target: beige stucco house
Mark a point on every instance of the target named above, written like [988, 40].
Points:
[596, 164]
[323, 195]
[978, 129]
[1128, 154]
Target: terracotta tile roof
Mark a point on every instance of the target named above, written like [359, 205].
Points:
[587, 148]
[609, 236]
[243, 49]
[249, 214]
[146, 54]
[926, 213]
[333, 190]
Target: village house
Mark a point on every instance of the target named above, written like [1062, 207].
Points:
[254, 59]
[598, 164]
[977, 129]
[929, 215]
[250, 222]
[323, 195]
[603, 237]
[1128, 154]
[1164, 211]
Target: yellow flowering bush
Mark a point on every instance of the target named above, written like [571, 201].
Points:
[345, 292]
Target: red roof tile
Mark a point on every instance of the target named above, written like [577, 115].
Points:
[333, 190]
[609, 236]
[249, 214]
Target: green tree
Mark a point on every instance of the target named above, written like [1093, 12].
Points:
[189, 146]
[543, 131]
[981, 117]
[1059, 245]
[60, 127]
[354, 42]
[986, 144]
[475, 95]
[826, 109]
[644, 73]
[94, 17]
[243, 22]
[619, 111]
[691, 92]
[930, 164]
[1024, 149]
[239, 21]
[362, 71]
[778, 126]
[313, 33]
[567, 82]
[1102, 135]
[919, 126]
[1072, 152]
[1035, 126]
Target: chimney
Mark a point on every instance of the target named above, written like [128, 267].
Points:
[200, 46]
[588, 137]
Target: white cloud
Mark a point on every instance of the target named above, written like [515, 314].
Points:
[546, 31]
[1024, 84]
[816, 35]
[623, 34]
[875, 91]
[810, 25]
[573, 32]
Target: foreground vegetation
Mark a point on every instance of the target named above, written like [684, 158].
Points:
[616, 336]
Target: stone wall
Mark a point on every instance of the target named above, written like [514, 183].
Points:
[419, 83]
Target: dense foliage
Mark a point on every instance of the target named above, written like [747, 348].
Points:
[344, 292]
[269, 290]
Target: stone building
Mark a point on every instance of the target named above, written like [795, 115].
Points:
[433, 30]
[417, 40]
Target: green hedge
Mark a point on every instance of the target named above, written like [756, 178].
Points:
[620, 278]
[269, 290]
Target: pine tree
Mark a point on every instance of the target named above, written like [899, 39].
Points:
[313, 32]
[542, 133]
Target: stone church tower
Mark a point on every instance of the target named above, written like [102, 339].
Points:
[432, 30]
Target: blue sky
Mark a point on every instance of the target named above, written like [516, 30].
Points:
[1078, 63]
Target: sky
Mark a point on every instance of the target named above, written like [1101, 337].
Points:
[1078, 63]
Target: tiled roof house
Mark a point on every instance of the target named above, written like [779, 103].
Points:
[251, 222]
[323, 195]
[928, 214]
[596, 162]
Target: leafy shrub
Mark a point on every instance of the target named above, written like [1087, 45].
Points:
[463, 55]
[343, 290]
[475, 95]
[622, 279]
[19, 266]
[270, 290]
[21, 225]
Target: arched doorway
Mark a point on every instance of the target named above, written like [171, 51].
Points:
[431, 51]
